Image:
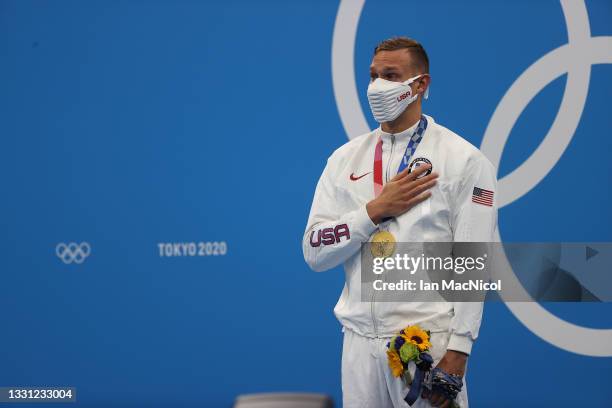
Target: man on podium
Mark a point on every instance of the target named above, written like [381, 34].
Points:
[409, 180]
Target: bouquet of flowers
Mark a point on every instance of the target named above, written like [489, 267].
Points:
[411, 344]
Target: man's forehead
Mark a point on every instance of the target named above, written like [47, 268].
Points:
[396, 59]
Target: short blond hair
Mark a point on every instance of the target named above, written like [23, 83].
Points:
[414, 47]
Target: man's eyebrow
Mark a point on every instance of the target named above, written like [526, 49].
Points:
[385, 69]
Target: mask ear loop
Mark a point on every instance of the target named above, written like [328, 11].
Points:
[426, 93]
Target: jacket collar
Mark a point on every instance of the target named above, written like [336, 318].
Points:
[404, 135]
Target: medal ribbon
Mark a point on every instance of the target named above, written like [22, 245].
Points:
[415, 139]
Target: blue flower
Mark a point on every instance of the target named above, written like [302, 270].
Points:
[399, 342]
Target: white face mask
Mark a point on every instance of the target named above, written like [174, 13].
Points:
[389, 99]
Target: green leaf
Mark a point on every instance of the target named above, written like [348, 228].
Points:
[408, 352]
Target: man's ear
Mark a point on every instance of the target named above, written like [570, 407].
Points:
[424, 82]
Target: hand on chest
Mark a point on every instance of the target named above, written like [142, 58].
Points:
[357, 187]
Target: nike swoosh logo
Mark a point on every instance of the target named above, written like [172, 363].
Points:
[355, 178]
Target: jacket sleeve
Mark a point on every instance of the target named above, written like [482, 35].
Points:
[332, 237]
[473, 221]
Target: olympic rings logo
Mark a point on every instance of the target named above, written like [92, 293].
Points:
[574, 58]
[73, 252]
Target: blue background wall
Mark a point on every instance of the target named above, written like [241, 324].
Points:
[129, 123]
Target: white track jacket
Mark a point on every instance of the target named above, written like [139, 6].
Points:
[339, 223]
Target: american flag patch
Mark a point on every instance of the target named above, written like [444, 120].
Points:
[482, 196]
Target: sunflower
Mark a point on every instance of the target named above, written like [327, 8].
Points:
[397, 368]
[417, 336]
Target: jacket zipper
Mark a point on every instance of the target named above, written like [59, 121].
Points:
[373, 297]
[390, 158]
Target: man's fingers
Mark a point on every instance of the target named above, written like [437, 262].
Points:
[440, 402]
[408, 180]
[401, 174]
[416, 200]
[408, 177]
[413, 192]
[407, 205]
[435, 399]
[425, 179]
[419, 171]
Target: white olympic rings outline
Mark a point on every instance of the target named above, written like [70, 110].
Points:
[574, 58]
[73, 252]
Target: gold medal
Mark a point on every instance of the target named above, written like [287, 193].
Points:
[382, 244]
